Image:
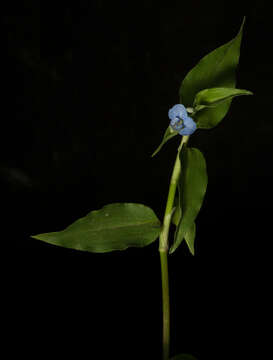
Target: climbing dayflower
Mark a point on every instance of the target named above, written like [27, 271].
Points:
[180, 121]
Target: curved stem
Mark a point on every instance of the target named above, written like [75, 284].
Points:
[163, 249]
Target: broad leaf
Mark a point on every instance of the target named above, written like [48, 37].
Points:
[217, 69]
[183, 357]
[191, 188]
[169, 133]
[114, 227]
[215, 96]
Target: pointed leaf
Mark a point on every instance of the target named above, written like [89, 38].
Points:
[169, 133]
[176, 215]
[114, 227]
[190, 234]
[215, 96]
[190, 237]
[217, 69]
[192, 188]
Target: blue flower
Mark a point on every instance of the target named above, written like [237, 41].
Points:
[180, 121]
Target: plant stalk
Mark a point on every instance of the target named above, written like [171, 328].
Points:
[163, 250]
[165, 305]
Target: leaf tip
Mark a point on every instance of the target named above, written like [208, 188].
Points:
[35, 237]
[43, 237]
[172, 250]
[242, 25]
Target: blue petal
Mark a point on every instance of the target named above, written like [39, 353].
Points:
[177, 110]
[190, 126]
[189, 122]
[186, 131]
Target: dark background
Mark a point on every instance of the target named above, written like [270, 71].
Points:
[85, 95]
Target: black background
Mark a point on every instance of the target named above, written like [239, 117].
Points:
[85, 95]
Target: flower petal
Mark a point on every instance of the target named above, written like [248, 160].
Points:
[177, 110]
[190, 126]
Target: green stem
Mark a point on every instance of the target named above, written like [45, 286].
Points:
[165, 304]
[163, 249]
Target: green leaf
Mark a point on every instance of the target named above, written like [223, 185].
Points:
[169, 133]
[217, 69]
[114, 227]
[190, 237]
[176, 215]
[183, 357]
[215, 96]
[190, 234]
[191, 189]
